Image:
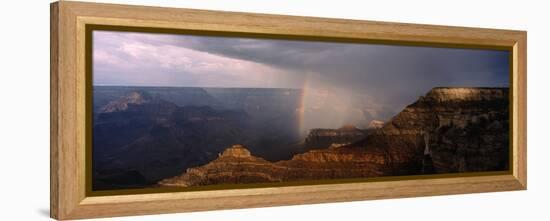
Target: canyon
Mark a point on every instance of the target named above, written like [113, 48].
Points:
[144, 134]
[448, 130]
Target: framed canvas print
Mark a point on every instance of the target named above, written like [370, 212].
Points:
[161, 110]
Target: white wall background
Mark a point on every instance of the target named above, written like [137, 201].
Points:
[24, 110]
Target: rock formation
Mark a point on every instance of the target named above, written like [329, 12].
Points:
[140, 139]
[237, 165]
[142, 135]
[234, 165]
[375, 124]
[447, 130]
[122, 103]
[323, 138]
[466, 130]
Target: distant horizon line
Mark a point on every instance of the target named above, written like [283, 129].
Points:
[115, 85]
[167, 86]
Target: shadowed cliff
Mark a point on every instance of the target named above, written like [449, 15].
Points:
[448, 130]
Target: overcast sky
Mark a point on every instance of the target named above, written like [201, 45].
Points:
[390, 76]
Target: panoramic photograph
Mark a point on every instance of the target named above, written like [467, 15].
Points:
[175, 110]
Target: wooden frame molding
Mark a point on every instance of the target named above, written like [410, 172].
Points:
[68, 113]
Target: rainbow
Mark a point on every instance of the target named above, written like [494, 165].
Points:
[301, 106]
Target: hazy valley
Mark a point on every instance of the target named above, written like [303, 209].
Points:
[161, 136]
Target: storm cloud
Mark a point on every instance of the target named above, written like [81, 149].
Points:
[385, 71]
[384, 77]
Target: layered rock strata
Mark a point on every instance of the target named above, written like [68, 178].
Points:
[447, 130]
[236, 165]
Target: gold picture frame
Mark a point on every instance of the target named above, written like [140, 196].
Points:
[70, 196]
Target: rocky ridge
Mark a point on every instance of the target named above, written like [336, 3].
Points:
[461, 129]
[122, 103]
[237, 165]
[324, 138]
[447, 130]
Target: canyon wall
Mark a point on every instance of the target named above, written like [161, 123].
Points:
[446, 131]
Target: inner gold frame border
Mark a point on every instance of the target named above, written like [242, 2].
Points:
[69, 130]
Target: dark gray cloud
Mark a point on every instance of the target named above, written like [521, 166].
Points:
[392, 73]
[383, 77]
